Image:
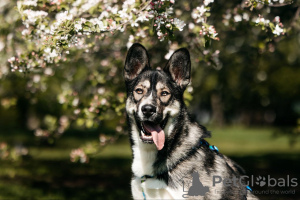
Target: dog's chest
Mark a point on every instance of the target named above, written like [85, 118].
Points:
[150, 189]
[142, 165]
[143, 161]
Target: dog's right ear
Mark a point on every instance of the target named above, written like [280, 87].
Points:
[137, 61]
[179, 67]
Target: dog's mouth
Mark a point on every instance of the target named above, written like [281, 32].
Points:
[153, 133]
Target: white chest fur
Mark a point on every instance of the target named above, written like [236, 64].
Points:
[144, 157]
[150, 189]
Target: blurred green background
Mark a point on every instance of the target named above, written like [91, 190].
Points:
[248, 96]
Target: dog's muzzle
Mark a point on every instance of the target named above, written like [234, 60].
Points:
[151, 132]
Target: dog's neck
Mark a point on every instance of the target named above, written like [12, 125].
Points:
[180, 142]
[147, 160]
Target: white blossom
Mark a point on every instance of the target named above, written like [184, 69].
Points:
[49, 55]
[168, 12]
[201, 10]
[159, 21]
[246, 16]
[29, 3]
[198, 13]
[169, 54]
[75, 101]
[143, 17]
[134, 24]
[25, 32]
[78, 27]
[277, 19]
[237, 18]
[80, 155]
[12, 59]
[114, 10]
[141, 33]
[104, 14]
[160, 35]
[130, 41]
[227, 16]
[191, 25]
[260, 20]
[128, 3]
[96, 21]
[63, 16]
[179, 24]
[123, 14]
[277, 30]
[32, 16]
[88, 4]
[212, 31]
[206, 2]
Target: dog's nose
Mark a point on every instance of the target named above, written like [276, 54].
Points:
[148, 110]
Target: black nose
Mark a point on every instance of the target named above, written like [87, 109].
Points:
[148, 110]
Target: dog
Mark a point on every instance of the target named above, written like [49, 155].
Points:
[168, 147]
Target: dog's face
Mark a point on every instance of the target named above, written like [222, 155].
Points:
[154, 97]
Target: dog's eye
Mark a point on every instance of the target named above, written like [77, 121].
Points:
[139, 91]
[164, 93]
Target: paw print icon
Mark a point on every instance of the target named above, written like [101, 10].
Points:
[261, 181]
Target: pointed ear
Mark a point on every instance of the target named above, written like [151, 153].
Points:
[137, 61]
[179, 67]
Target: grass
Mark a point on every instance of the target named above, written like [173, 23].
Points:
[241, 141]
[48, 174]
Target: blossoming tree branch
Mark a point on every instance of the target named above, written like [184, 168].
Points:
[55, 26]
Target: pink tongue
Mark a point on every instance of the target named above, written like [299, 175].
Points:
[157, 134]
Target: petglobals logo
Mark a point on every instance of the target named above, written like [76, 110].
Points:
[259, 181]
[272, 182]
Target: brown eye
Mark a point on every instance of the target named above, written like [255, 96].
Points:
[164, 93]
[139, 91]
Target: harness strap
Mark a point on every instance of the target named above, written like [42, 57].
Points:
[214, 148]
[143, 179]
[248, 188]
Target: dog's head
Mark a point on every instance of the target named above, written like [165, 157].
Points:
[154, 97]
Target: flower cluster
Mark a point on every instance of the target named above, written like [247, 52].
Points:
[239, 15]
[209, 31]
[4, 153]
[200, 15]
[32, 16]
[255, 3]
[9, 153]
[276, 26]
[76, 20]
[41, 133]
[78, 155]
[33, 60]
[164, 22]
[56, 35]
[104, 139]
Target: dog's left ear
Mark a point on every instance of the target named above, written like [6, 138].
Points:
[179, 67]
[137, 61]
